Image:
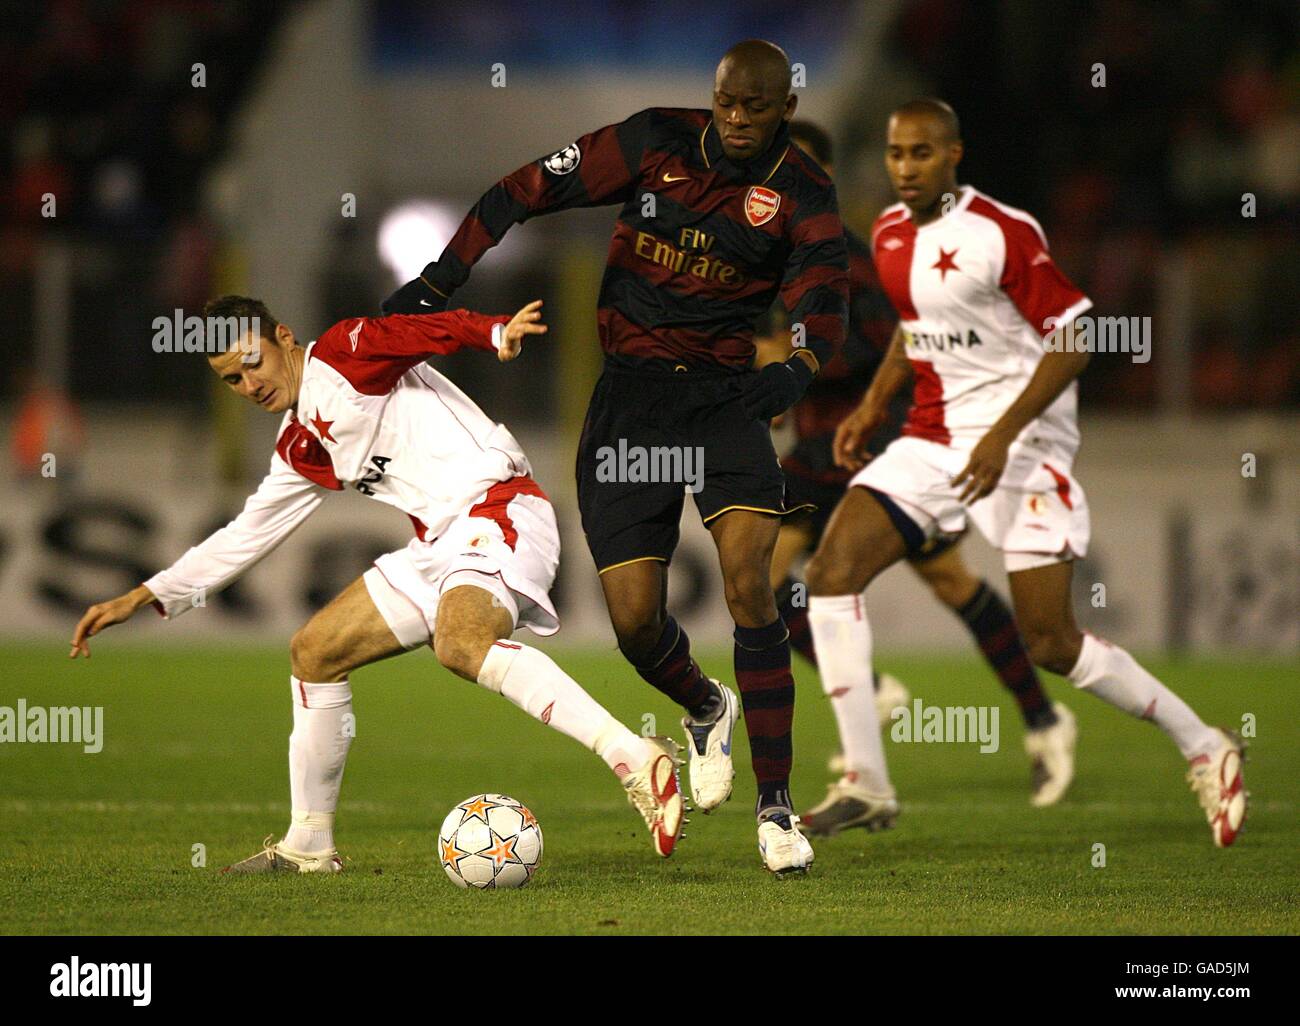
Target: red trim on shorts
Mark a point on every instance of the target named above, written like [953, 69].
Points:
[302, 690]
[421, 528]
[497, 500]
[1062, 485]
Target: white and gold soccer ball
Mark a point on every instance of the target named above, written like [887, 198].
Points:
[490, 841]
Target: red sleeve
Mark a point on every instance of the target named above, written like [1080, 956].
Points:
[373, 352]
[1044, 296]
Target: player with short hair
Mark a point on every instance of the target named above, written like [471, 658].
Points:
[361, 408]
[812, 476]
[719, 214]
[990, 439]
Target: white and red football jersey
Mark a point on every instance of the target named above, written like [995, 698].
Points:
[372, 415]
[976, 291]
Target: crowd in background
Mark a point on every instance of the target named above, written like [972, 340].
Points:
[1198, 117]
[1140, 133]
[113, 114]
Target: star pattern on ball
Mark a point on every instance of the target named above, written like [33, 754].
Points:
[529, 819]
[323, 428]
[478, 807]
[450, 853]
[945, 263]
[502, 850]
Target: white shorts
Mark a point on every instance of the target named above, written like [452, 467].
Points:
[1037, 515]
[507, 544]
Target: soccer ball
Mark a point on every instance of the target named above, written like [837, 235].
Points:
[490, 841]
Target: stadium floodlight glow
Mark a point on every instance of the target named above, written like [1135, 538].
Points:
[413, 233]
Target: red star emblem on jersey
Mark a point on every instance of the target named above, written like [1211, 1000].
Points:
[478, 807]
[945, 263]
[502, 850]
[323, 428]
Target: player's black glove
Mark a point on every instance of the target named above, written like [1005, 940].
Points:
[776, 388]
[417, 296]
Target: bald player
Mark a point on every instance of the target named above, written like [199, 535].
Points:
[718, 216]
[990, 440]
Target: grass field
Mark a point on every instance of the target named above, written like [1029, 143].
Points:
[195, 753]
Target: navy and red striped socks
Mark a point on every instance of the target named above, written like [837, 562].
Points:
[762, 661]
[670, 668]
[795, 615]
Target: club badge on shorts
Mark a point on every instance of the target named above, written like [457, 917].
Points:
[761, 205]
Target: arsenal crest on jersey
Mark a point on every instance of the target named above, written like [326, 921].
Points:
[761, 205]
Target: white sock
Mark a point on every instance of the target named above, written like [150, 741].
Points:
[323, 727]
[1114, 676]
[532, 681]
[842, 641]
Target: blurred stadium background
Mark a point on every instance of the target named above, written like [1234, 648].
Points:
[314, 154]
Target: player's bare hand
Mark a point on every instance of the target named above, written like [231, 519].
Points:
[105, 614]
[984, 469]
[527, 321]
[852, 435]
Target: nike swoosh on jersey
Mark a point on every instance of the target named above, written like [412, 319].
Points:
[679, 178]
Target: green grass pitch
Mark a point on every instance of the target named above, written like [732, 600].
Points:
[195, 753]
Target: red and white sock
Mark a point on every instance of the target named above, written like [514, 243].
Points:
[323, 728]
[532, 681]
[842, 640]
[1114, 676]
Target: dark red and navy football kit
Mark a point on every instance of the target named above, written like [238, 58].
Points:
[701, 248]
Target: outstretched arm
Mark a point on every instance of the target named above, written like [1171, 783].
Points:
[598, 169]
[281, 503]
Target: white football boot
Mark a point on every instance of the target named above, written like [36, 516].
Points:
[276, 858]
[655, 792]
[889, 696]
[784, 851]
[847, 805]
[1051, 751]
[1217, 780]
[710, 747]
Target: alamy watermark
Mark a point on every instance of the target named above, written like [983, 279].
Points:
[74, 978]
[79, 725]
[655, 464]
[210, 335]
[956, 724]
[1100, 335]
